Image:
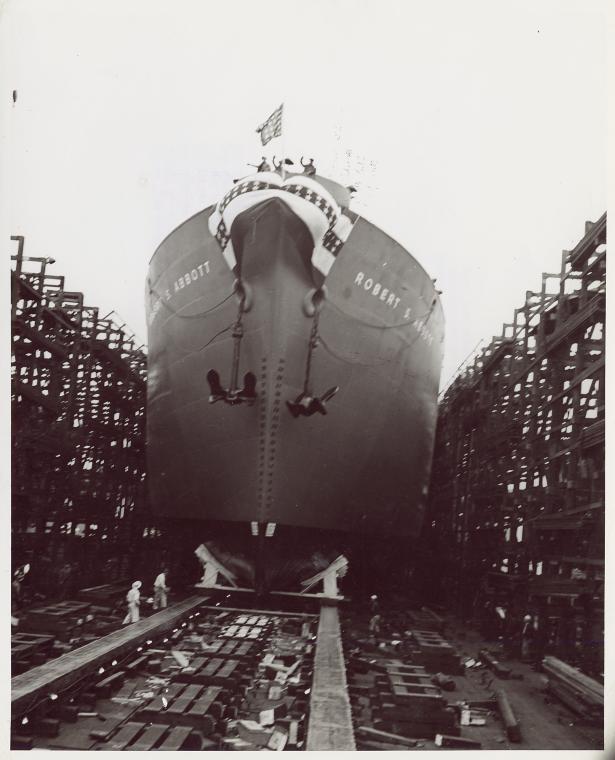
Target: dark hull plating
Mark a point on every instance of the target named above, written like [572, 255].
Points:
[361, 469]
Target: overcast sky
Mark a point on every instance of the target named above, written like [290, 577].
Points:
[476, 131]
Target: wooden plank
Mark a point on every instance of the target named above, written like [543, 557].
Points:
[579, 681]
[148, 738]
[211, 667]
[330, 723]
[215, 646]
[176, 739]
[456, 742]
[105, 687]
[124, 736]
[205, 701]
[137, 664]
[500, 670]
[397, 685]
[384, 736]
[226, 674]
[412, 709]
[187, 697]
[61, 672]
[267, 613]
[157, 705]
[416, 693]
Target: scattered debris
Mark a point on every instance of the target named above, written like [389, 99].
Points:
[180, 658]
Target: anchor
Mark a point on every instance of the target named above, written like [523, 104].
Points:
[306, 404]
[234, 395]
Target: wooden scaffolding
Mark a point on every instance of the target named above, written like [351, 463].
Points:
[78, 431]
[517, 495]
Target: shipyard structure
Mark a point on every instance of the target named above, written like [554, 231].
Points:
[398, 613]
[517, 493]
[78, 500]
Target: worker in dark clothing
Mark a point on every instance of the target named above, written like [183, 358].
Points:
[264, 165]
[161, 590]
[527, 637]
[16, 591]
[15, 594]
[280, 166]
[374, 625]
[64, 577]
[308, 168]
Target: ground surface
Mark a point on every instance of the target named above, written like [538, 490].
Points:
[545, 723]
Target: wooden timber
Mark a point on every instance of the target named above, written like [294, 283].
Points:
[60, 673]
[330, 725]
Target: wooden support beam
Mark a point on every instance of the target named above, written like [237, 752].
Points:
[330, 724]
[500, 670]
[456, 742]
[513, 730]
[57, 675]
[385, 736]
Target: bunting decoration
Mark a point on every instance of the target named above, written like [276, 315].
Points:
[314, 205]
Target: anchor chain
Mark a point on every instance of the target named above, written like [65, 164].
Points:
[234, 395]
[306, 404]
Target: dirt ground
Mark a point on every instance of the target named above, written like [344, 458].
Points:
[545, 722]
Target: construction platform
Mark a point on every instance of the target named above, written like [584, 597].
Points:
[194, 676]
[59, 674]
[205, 676]
[429, 681]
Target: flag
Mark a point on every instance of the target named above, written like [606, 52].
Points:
[272, 127]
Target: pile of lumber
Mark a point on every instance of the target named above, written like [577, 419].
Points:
[29, 650]
[240, 680]
[72, 619]
[225, 681]
[582, 694]
[427, 620]
[398, 698]
[61, 618]
[107, 595]
[435, 653]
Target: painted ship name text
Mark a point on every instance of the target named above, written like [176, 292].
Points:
[387, 296]
[183, 281]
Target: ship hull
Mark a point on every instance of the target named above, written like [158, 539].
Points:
[363, 467]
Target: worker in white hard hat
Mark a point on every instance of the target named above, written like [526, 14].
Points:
[527, 635]
[160, 590]
[133, 597]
